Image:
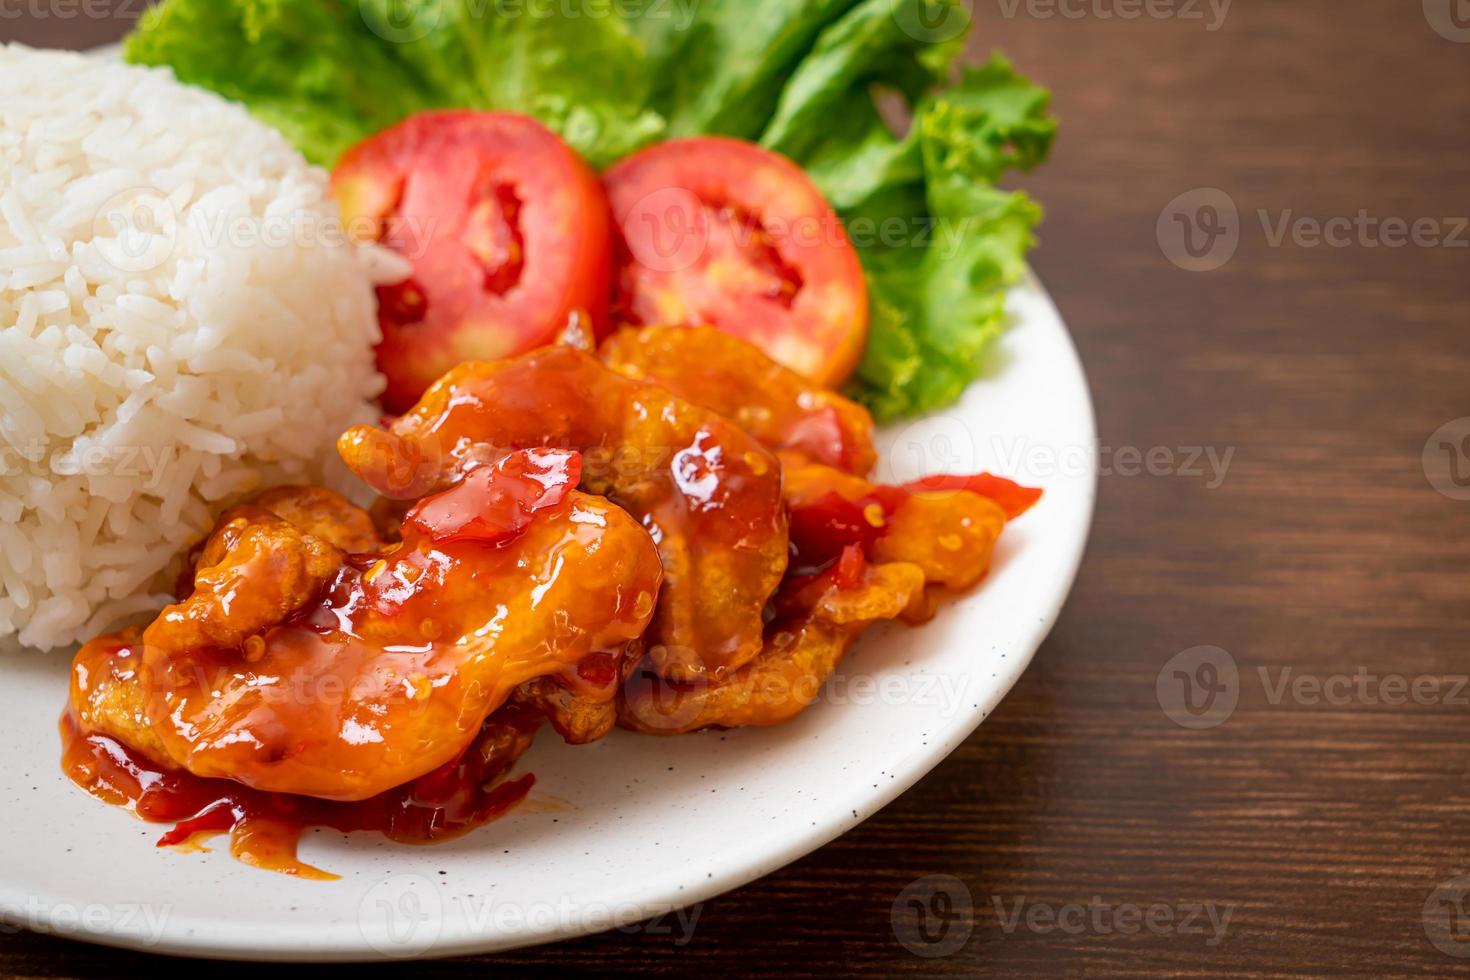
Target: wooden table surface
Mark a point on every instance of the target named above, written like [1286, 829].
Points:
[1308, 832]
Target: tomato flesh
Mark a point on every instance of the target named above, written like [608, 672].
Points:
[506, 228]
[719, 232]
[1011, 496]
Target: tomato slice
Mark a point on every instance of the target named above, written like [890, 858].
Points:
[506, 228]
[1012, 498]
[719, 232]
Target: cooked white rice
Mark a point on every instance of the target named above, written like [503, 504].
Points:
[180, 324]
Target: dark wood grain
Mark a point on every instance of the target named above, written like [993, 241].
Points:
[1324, 828]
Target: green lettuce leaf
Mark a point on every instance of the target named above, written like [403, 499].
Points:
[938, 241]
[812, 79]
[719, 65]
[329, 73]
[313, 70]
[940, 291]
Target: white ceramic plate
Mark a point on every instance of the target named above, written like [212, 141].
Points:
[625, 829]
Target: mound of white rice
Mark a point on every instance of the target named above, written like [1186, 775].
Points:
[181, 322]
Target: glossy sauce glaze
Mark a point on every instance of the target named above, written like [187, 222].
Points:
[299, 685]
[947, 526]
[265, 828]
[390, 669]
[707, 491]
[734, 378]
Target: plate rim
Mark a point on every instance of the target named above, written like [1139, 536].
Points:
[457, 940]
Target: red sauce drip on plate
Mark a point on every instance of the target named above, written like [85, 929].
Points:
[265, 828]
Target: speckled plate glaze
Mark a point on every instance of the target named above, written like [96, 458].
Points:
[629, 828]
